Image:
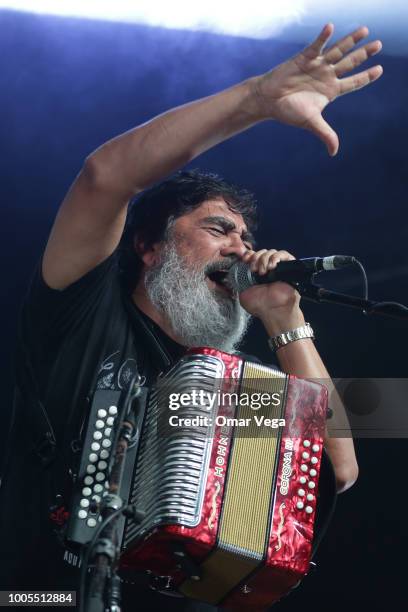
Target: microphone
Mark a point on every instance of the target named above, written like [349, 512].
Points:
[240, 277]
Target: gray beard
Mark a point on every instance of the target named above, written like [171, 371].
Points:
[195, 313]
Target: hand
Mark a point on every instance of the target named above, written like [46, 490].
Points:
[276, 304]
[297, 91]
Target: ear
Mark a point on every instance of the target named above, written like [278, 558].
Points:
[149, 256]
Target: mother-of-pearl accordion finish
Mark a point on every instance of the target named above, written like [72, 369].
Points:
[228, 511]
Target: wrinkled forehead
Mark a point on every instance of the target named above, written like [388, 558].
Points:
[211, 210]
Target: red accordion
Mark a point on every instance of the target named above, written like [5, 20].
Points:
[227, 489]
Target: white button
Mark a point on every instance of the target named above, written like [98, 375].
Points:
[309, 497]
[300, 505]
[86, 491]
[82, 514]
[102, 413]
[93, 457]
[315, 448]
[104, 454]
[98, 488]
[113, 410]
[302, 479]
[91, 522]
[313, 472]
[106, 443]
[304, 467]
[88, 480]
[108, 432]
[99, 424]
[314, 460]
[305, 455]
[102, 465]
[107, 486]
[306, 443]
[110, 421]
[100, 476]
[91, 469]
[95, 446]
[84, 503]
[97, 435]
[301, 492]
[97, 498]
[311, 485]
[309, 509]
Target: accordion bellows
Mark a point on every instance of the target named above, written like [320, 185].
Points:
[227, 489]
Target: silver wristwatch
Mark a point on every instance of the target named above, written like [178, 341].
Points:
[305, 331]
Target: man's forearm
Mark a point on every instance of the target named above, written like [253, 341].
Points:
[140, 157]
[302, 359]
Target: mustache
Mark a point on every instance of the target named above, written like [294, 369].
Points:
[221, 266]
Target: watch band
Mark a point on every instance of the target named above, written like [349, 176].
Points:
[305, 331]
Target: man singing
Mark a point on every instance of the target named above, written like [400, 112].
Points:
[104, 300]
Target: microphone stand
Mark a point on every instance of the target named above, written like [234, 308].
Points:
[104, 589]
[314, 293]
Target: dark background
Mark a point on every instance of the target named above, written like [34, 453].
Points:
[69, 85]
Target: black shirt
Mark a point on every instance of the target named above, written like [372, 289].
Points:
[87, 336]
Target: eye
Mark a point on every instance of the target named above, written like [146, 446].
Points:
[217, 230]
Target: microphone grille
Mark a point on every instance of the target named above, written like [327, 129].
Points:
[239, 277]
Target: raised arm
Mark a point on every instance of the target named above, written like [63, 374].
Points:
[90, 221]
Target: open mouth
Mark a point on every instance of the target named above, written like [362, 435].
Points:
[218, 279]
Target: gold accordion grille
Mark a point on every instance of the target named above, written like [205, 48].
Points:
[246, 514]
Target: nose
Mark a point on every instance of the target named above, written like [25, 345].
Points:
[235, 246]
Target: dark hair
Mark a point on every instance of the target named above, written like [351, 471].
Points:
[149, 213]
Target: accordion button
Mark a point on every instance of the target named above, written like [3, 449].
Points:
[113, 410]
[84, 503]
[110, 421]
[309, 509]
[99, 424]
[97, 435]
[102, 413]
[91, 469]
[82, 514]
[301, 492]
[302, 479]
[102, 465]
[311, 485]
[305, 455]
[93, 457]
[299, 505]
[313, 472]
[315, 448]
[86, 491]
[104, 454]
[106, 443]
[107, 432]
[309, 497]
[314, 460]
[88, 480]
[306, 443]
[100, 477]
[95, 446]
[98, 488]
[304, 467]
[97, 498]
[91, 522]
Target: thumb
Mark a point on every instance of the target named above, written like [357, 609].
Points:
[322, 130]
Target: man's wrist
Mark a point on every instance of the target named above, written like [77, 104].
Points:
[279, 322]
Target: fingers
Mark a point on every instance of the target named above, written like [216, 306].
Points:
[316, 47]
[357, 81]
[322, 130]
[344, 45]
[264, 260]
[353, 60]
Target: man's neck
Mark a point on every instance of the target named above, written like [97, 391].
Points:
[142, 301]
